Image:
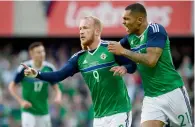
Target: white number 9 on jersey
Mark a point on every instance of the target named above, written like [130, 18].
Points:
[96, 76]
[38, 86]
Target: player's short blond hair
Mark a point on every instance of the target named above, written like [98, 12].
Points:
[97, 22]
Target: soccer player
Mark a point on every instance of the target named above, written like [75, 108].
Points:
[34, 101]
[148, 45]
[111, 103]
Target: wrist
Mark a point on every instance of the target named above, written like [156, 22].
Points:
[37, 74]
[125, 67]
[123, 51]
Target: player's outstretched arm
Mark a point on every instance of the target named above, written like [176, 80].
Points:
[69, 69]
[56, 76]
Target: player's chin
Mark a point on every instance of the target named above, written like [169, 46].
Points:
[128, 31]
[41, 59]
[85, 43]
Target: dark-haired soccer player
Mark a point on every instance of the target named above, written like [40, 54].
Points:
[148, 45]
[34, 101]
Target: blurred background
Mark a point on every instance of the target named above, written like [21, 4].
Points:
[56, 25]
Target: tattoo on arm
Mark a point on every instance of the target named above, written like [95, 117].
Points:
[149, 58]
[136, 57]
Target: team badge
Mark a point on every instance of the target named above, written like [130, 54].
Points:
[103, 56]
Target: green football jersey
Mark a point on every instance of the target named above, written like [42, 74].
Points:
[34, 90]
[108, 92]
[163, 77]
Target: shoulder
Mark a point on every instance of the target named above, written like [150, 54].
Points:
[127, 38]
[49, 65]
[104, 43]
[77, 54]
[156, 28]
[74, 58]
[28, 63]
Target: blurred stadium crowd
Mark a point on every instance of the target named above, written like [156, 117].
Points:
[76, 109]
[58, 19]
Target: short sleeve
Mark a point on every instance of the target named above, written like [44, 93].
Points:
[157, 36]
[124, 42]
[19, 74]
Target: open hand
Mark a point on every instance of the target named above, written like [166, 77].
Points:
[119, 70]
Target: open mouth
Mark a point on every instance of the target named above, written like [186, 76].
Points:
[82, 37]
[126, 28]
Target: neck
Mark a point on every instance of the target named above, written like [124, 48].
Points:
[94, 44]
[37, 64]
[143, 27]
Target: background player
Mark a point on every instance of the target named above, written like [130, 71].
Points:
[109, 94]
[165, 94]
[34, 101]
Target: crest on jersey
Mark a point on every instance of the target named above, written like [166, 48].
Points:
[103, 56]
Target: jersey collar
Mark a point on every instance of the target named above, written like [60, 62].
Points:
[144, 31]
[33, 65]
[95, 49]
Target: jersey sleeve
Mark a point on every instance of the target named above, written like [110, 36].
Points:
[127, 63]
[52, 68]
[124, 42]
[19, 74]
[157, 36]
[69, 69]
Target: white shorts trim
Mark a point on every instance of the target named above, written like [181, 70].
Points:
[171, 106]
[116, 120]
[30, 120]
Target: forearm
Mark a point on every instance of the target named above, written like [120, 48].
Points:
[136, 57]
[13, 92]
[57, 91]
[51, 76]
[56, 76]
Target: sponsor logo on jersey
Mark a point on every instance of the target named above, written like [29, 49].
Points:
[103, 56]
[85, 61]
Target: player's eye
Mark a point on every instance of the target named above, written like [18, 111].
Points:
[85, 27]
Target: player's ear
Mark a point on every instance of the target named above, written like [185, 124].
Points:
[140, 20]
[31, 53]
[97, 32]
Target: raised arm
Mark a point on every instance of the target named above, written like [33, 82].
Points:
[69, 69]
[149, 59]
[154, 47]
